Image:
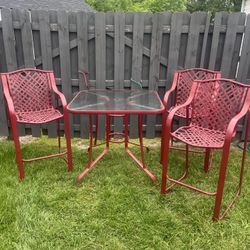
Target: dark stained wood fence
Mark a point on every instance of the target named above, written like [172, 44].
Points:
[115, 47]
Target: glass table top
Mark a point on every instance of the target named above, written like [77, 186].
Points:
[116, 101]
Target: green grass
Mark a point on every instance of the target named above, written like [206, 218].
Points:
[116, 206]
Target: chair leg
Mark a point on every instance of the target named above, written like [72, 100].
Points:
[223, 169]
[221, 181]
[68, 142]
[165, 158]
[244, 152]
[96, 129]
[140, 123]
[107, 130]
[19, 160]
[187, 151]
[207, 160]
[125, 121]
[163, 126]
[58, 136]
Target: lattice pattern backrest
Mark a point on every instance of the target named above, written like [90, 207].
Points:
[30, 90]
[216, 102]
[185, 80]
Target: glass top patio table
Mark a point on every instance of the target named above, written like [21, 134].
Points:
[115, 101]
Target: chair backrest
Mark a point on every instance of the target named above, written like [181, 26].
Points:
[185, 78]
[216, 102]
[84, 75]
[30, 89]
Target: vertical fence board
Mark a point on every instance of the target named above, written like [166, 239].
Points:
[100, 43]
[205, 38]
[63, 33]
[138, 29]
[28, 55]
[232, 25]
[19, 57]
[154, 70]
[174, 46]
[10, 52]
[244, 62]
[10, 55]
[119, 48]
[215, 39]
[193, 38]
[82, 41]
[46, 53]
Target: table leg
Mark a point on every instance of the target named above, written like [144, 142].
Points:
[91, 162]
[141, 163]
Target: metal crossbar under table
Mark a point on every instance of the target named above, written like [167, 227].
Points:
[110, 102]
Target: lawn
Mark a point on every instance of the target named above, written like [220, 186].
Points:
[116, 206]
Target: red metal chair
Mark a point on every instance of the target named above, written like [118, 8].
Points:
[29, 98]
[217, 106]
[179, 92]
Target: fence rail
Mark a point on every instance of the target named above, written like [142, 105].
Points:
[115, 47]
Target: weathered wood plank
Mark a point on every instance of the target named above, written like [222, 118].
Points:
[28, 55]
[10, 54]
[205, 38]
[46, 53]
[9, 39]
[233, 20]
[100, 56]
[154, 70]
[63, 34]
[244, 62]
[197, 20]
[215, 39]
[174, 46]
[119, 48]
[138, 29]
[82, 38]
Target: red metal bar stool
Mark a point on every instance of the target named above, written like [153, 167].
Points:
[29, 97]
[178, 94]
[217, 106]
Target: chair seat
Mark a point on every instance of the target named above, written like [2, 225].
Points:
[181, 112]
[200, 137]
[37, 117]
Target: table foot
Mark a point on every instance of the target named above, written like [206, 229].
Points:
[91, 165]
[141, 165]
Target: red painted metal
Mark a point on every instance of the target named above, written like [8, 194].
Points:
[217, 106]
[125, 113]
[84, 75]
[179, 92]
[28, 94]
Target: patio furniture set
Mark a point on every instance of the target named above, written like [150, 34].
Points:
[210, 107]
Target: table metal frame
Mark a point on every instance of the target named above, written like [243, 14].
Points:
[141, 163]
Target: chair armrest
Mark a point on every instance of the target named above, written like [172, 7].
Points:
[56, 91]
[232, 124]
[171, 115]
[173, 87]
[7, 96]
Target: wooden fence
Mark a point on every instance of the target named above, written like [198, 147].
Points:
[115, 47]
